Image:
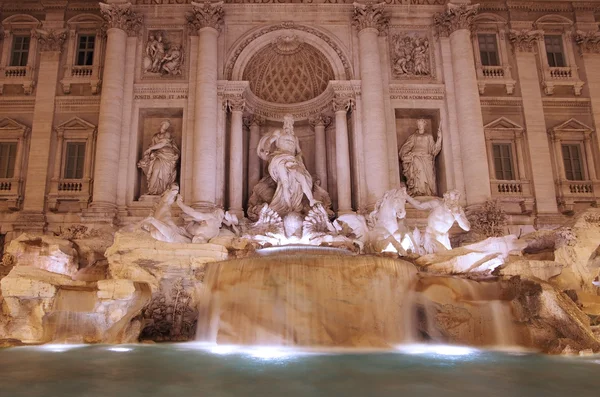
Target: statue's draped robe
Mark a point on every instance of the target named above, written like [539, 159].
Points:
[287, 170]
[159, 165]
[419, 168]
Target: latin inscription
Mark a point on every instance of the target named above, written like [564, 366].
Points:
[160, 96]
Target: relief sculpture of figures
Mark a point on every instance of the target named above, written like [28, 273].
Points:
[159, 161]
[418, 160]
[410, 56]
[162, 57]
[282, 150]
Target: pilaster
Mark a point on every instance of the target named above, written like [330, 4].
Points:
[525, 44]
[32, 217]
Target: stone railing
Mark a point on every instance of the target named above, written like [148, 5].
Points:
[68, 186]
[510, 188]
[581, 187]
[16, 71]
[82, 71]
[561, 73]
[493, 72]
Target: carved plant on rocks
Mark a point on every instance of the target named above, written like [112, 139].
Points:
[489, 220]
[170, 316]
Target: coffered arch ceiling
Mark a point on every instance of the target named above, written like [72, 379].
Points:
[288, 71]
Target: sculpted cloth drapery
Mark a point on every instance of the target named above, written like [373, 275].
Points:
[160, 160]
[417, 156]
[282, 150]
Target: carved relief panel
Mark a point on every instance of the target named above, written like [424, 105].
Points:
[163, 54]
[411, 56]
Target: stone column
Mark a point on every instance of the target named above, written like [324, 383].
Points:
[121, 20]
[319, 123]
[455, 23]
[236, 157]
[340, 106]
[32, 217]
[525, 43]
[207, 19]
[253, 160]
[370, 20]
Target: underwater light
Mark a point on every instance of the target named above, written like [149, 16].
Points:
[59, 348]
[444, 350]
[120, 349]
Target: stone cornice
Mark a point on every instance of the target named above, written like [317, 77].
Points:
[588, 42]
[121, 16]
[206, 15]
[370, 16]
[456, 17]
[525, 40]
[539, 6]
[50, 40]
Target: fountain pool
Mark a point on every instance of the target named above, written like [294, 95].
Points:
[192, 369]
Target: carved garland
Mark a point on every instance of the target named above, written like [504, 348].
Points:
[589, 42]
[50, 40]
[525, 40]
[286, 26]
[121, 16]
[456, 17]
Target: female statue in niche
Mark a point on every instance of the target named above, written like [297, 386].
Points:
[418, 156]
[159, 161]
[282, 150]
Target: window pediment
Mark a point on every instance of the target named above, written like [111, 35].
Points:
[12, 128]
[571, 127]
[76, 127]
[503, 123]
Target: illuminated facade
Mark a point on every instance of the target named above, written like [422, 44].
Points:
[513, 88]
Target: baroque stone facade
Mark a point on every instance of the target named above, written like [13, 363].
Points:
[85, 86]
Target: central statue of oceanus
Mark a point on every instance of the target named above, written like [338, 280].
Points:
[281, 150]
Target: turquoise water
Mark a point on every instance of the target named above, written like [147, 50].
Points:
[182, 370]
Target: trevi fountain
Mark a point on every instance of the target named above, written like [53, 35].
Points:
[271, 267]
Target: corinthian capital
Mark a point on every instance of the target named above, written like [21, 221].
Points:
[456, 17]
[50, 40]
[525, 40]
[588, 41]
[341, 104]
[121, 16]
[370, 15]
[319, 120]
[206, 15]
[236, 104]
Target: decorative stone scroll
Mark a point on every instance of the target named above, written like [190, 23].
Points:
[525, 40]
[370, 16]
[121, 16]
[50, 40]
[410, 56]
[456, 17]
[589, 42]
[206, 15]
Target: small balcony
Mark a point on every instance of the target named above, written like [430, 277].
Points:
[69, 190]
[10, 193]
[495, 75]
[561, 76]
[515, 196]
[18, 75]
[75, 74]
[571, 192]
